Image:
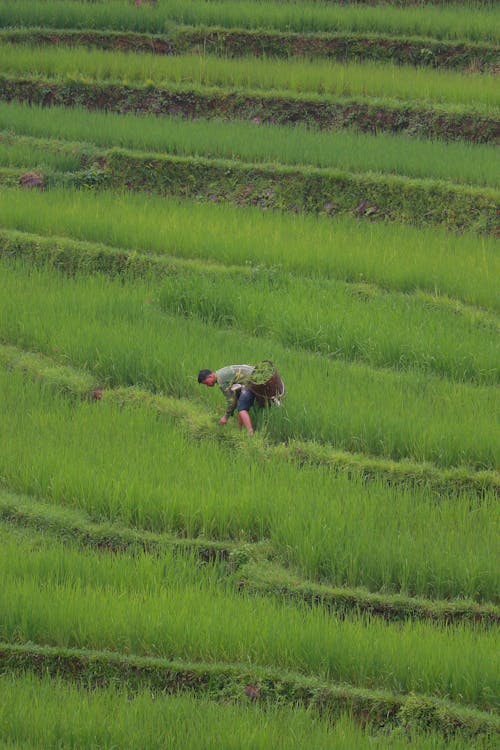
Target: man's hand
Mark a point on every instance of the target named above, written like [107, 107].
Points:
[223, 420]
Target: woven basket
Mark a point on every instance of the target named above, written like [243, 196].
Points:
[270, 392]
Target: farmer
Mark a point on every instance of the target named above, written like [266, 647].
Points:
[232, 380]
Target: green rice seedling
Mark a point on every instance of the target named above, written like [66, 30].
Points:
[466, 267]
[459, 663]
[459, 21]
[127, 466]
[29, 156]
[384, 153]
[61, 713]
[341, 320]
[57, 563]
[92, 322]
[323, 78]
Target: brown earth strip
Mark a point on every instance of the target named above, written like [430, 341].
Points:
[236, 682]
[366, 115]
[421, 51]
[417, 202]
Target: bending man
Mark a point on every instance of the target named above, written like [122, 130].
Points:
[232, 380]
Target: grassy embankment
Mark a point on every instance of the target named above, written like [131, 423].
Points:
[61, 713]
[316, 77]
[330, 191]
[75, 451]
[367, 403]
[459, 21]
[462, 163]
[448, 267]
[143, 606]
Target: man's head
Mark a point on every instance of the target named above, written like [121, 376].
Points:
[207, 377]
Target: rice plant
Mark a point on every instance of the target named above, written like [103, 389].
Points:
[381, 153]
[129, 467]
[31, 155]
[458, 21]
[396, 257]
[61, 714]
[315, 78]
[356, 323]
[458, 662]
[92, 321]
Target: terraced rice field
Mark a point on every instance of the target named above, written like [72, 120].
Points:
[186, 185]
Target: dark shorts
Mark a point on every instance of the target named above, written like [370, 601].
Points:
[246, 399]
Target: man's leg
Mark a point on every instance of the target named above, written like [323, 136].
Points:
[245, 402]
[245, 421]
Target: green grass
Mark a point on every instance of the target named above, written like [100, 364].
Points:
[318, 78]
[201, 621]
[31, 155]
[254, 565]
[353, 322]
[459, 21]
[54, 563]
[61, 714]
[125, 465]
[339, 320]
[383, 153]
[91, 321]
[396, 257]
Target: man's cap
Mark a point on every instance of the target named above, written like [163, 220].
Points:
[203, 375]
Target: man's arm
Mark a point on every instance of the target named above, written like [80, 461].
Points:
[231, 402]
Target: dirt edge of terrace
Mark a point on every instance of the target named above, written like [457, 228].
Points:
[372, 116]
[343, 47]
[96, 669]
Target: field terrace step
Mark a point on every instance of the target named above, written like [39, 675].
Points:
[250, 565]
[298, 189]
[76, 256]
[368, 115]
[72, 525]
[74, 383]
[242, 42]
[72, 256]
[238, 682]
[310, 189]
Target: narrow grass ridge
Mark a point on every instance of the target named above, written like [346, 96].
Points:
[474, 21]
[418, 202]
[405, 50]
[79, 257]
[348, 150]
[394, 257]
[249, 564]
[424, 87]
[200, 426]
[72, 525]
[448, 123]
[330, 191]
[232, 681]
[271, 579]
[69, 714]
